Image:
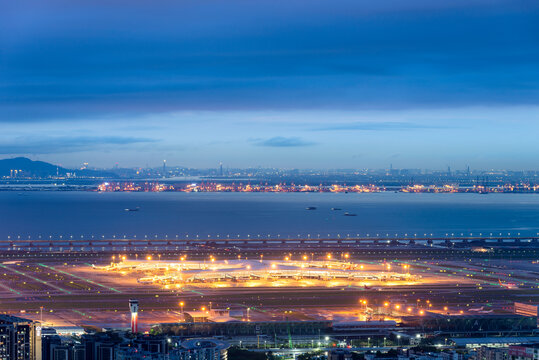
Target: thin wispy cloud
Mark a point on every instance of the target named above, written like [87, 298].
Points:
[379, 126]
[58, 145]
[281, 141]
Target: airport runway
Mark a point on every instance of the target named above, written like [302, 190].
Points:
[72, 292]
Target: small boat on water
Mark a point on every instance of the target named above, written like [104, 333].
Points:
[310, 208]
[349, 214]
[132, 209]
[336, 209]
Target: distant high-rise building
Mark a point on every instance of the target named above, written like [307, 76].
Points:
[221, 169]
[164, 168]
[20, 339]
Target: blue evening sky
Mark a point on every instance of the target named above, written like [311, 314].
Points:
[293, 84]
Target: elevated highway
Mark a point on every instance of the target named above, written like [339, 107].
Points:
[177, 244]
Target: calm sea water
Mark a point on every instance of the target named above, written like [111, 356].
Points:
[87, 214]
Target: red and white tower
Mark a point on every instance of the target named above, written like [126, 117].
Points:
[133, 307]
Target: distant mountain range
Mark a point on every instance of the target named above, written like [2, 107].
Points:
[40, 169]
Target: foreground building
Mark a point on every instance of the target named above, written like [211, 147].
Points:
[488, 353]
[200, 349]
[117, 345]
[20, 339]
[193, 349]
[524, 352]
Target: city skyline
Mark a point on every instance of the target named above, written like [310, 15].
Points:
[412, 83]
[26, 167]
